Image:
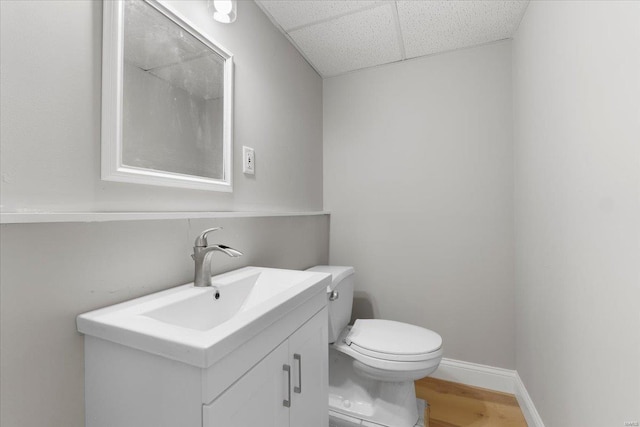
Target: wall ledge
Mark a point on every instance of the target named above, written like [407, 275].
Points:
[48, 217]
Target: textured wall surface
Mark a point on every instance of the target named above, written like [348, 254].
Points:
[418, 179]
[577, 149]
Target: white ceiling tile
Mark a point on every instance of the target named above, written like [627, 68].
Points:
[350, 42]
[337, 36]
[291, 14]
[436, 26]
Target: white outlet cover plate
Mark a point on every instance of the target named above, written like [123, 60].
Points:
[248, 160]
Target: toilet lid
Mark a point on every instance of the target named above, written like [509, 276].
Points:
[390, 340]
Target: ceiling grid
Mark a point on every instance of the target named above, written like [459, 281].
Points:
[338, 36]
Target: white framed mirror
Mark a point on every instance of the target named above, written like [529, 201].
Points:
[167, 100]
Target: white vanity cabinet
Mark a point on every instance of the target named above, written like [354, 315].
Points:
[287, 388]
[308, 356]
[275, 375]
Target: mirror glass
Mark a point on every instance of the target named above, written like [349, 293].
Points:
[174, 123]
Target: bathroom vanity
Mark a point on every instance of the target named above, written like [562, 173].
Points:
[257, 355]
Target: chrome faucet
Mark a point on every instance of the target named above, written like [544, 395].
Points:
[202, 253]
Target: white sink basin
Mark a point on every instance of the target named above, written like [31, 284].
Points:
[189, 324]
[201, 310]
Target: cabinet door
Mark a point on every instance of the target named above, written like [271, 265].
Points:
[256, 399]
[308, 357]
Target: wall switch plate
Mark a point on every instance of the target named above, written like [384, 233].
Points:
[248, 160]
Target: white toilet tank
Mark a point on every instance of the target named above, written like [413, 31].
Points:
[340, 308]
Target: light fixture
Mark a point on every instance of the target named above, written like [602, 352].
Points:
[224, 11]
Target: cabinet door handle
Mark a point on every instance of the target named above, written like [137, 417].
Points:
[298, 389]
[287, 402]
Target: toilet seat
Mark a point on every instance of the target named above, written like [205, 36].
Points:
[393, 341]
[374, 357]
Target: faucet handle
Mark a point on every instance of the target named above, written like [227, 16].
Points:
[201, 240]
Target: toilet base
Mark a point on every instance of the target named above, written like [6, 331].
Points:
[370, 402]
[340, 420]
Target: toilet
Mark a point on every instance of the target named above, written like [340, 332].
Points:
[373, 363]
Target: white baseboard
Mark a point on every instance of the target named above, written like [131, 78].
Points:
[476, 375]
[489, 377]
[526, 404]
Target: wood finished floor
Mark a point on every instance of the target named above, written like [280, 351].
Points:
[457, 405]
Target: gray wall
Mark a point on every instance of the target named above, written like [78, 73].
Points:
[50, 161]
[577, 150]
[418, 179]
[50, 108]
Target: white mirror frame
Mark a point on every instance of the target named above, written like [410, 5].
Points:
[112, 102]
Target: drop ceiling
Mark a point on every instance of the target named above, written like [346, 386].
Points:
[346, 35]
